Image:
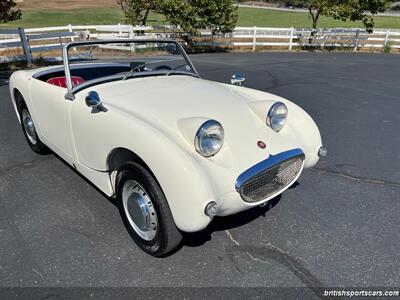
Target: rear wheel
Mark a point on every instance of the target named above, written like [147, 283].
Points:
[28, 127]
[145, 211]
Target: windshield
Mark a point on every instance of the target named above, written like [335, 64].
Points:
[91, 63]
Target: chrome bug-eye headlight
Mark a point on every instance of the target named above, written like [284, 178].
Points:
[209, 138]
[276, 118]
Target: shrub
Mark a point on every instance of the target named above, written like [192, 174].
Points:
[387, 48]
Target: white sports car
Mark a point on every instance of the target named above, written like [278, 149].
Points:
[135, 118]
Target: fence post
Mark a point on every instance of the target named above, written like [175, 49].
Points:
[70, 30]
[291, 38]
[119, 30]
[131, 36]
[25, 46]
[386, 38]
[254, 38]
[356, 40]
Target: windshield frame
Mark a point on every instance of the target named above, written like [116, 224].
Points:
[71, 90]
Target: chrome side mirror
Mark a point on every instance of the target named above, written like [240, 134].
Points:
[92, 100]
[237, 79]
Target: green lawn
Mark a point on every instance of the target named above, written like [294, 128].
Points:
[247, 17]
[271, 18]
[76, 17]
[99, 16]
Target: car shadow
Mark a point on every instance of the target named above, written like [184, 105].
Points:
[229, 222]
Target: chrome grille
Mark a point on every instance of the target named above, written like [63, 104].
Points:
[271, 180]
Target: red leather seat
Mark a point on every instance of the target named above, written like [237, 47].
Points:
[62, 82]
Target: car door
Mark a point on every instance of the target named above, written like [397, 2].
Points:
[50, 108]
[87, 127]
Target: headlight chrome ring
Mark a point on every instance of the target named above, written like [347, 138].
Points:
[276, 117]
[209, 138]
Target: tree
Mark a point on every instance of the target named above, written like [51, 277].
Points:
[136, 12]
[9, 11]
[182, 14]
[317, 8]
[192, 15]
[188, 15]
[218, 16]
[355, 10]
[347, 10]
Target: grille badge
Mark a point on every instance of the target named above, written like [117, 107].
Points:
[261, 145]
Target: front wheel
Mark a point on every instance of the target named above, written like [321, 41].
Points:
[145, 211]
[29, 130]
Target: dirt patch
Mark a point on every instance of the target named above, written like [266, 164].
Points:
[35, 5]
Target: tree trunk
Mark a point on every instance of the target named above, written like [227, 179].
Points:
[315, 16]
[146, 14]
[315, 13]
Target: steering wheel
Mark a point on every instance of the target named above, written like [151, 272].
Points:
[162, 67]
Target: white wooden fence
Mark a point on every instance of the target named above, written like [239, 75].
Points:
[335, 37]
[251, 38]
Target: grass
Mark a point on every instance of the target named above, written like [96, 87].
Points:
[247, 17]
[84, 16]
[77, 17]
[271, 18]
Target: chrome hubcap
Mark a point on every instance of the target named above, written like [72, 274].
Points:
[139, 209]
[29, 127]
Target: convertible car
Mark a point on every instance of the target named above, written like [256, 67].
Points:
[175, 150]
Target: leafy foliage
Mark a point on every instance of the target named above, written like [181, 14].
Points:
[188, 15]
[347, 10]
[218, 16]
[9, 11]
[182, 14]
[355, 10]
[387, 48]
[137, 11]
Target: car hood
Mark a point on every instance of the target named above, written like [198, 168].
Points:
[177, 105]
[164, 100]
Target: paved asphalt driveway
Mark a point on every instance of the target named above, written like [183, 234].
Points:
[339, 226]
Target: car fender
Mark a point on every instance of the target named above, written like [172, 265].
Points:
[299, 125]
[20, 81]
[97, 134]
